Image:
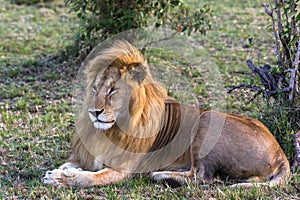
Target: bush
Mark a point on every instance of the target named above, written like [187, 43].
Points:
[101, 19]
[280, 84]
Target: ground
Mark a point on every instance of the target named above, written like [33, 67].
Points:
[36, 116]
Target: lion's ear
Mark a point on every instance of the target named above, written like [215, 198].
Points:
[137, 71]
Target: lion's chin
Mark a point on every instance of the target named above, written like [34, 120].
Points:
[103, 126]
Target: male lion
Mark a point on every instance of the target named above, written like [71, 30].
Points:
[129, 125]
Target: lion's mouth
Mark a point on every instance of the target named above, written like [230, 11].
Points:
[108, 122]
[103, 125]
[103, 121]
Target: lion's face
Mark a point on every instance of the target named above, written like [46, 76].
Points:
[111, 95]
[101, 111]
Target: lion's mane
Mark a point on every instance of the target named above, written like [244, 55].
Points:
[147, 108]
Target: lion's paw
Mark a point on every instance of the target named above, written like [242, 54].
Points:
[63, 177]
[53, 177]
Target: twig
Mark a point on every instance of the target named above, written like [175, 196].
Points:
[254, 97]
[270, 13]
[296, 142]
[267, 11]
[291, 71]
[294, 86]
[285, 14]
[294, 80]
[159, 40]
[282, 37]
[240, 72]
[265, 80]
[293, 23]
[278, 14]
[269, 81]
[48, 59]
[253, 88]
[296, 187]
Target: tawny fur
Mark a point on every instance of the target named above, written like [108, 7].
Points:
[244, 150]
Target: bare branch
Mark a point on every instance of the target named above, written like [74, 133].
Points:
[294, 75]
[296, 142]
[267, 11]
[278, 14]
[269, 81]
[282, 37]
[296, 64]
[48, 59]
[270, 13]
[292, 84]
[285, 14]
[262, 74]
[253, 88]
[293, 24]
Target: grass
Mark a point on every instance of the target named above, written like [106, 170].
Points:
[36, 117]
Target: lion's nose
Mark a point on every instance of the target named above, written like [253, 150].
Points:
[96, 113]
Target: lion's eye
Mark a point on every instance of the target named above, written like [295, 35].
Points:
[94, 89]
[112, 91]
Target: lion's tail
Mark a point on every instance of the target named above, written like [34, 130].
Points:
[282, 175]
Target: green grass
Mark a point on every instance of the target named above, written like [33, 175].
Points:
[36, 117]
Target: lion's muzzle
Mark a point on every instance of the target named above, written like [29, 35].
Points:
[101, 119]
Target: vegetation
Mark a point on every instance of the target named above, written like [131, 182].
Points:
[36, 116]
[279, 84]
[100, 20]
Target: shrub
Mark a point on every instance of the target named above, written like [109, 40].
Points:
[280, 84]
[100, 19]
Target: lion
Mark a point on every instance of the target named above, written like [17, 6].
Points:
[129, 124]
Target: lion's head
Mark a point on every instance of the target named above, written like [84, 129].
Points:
[123, 112]
[121, 89]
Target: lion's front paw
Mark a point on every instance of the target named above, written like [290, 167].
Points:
[68, 177]
[53, 177]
